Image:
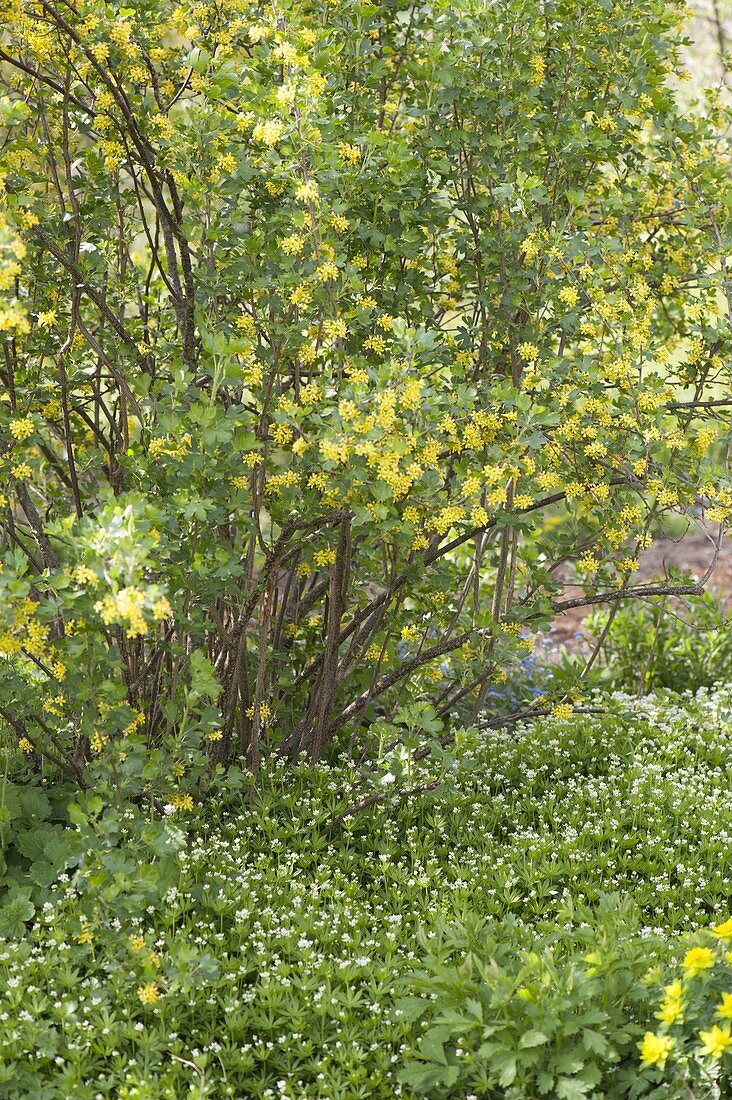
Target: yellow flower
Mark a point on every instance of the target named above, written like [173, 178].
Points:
[670, 1012]
[724, 1008]
[282, 433]
[655, 1049]
[307, 191]
[98, 742]
[162, 609]
[182, 802]
[22, 428]
[529, 352]
[562, 711]
[25, 745]
[136, 943]
[149, 993]
[52, 410]
[269, 132]
[325, 271]
[674, 991]
[317, 84]
[723, 931]
[698, 959]
[350, 153]
[537, 67]
[569, 296]
[716, 1041]
[301, 296]
[292, 245]
[265, 712]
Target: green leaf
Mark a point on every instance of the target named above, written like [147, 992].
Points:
[411, 1008]
[570, 1088]
[533, 1039]
[505, 1064]
[432, 1049]
[15, 912]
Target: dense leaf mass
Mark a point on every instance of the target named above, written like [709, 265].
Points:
[282, 957]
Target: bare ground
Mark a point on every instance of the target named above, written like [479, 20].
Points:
[690, 552]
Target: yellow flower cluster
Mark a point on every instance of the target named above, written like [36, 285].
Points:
[97, 742]
[148, 993]
[24, 632]
[265, 713]
[13, 317]
[277, 482]
[127, 607]
[182, 801]
[269, 132]
[698, 959]
[715, 1042]
[655, 1049]
[292, 245]
[22, 428]
[537, 70]
[167, 445]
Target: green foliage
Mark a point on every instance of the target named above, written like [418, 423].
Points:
[328, 331]
[35, 845]
[561, 1015]
[554, 1017]
[250, 942]
[680, 645]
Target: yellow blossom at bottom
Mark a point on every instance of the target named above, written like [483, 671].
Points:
[698, 959]
[655, 1049]
[716, 1041]
[723, 931]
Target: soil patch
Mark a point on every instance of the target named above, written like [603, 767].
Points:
[692, 552]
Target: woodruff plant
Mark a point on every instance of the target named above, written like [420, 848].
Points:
[328, 331]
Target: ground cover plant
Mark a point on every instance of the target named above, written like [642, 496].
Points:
[680, 645]
[250, 949]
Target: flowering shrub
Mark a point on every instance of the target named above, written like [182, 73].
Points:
[328, 330]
